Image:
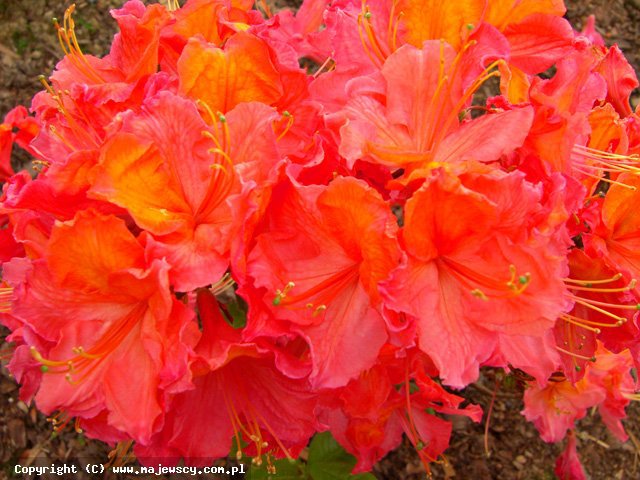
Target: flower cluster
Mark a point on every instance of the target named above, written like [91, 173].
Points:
[222, 250]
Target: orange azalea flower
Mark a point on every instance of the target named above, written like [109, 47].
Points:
[239, 400]
[416, 125]
[608, 384]
[604, 309]
[553, 409]
[562, 107]
[177, 191]
[617, 237]
[86, 93]
[369, 414]
[479, 280]
[97, 318]
[318, 263]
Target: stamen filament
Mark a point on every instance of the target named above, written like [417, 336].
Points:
[627, 288]
[604, 179]
[322, 67]
[600, 310]
[616, 277]
[605, 304]
[570, 320]
[576, 355]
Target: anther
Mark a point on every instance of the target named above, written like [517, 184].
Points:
[319, 309]
[280, 294]
[479, 294]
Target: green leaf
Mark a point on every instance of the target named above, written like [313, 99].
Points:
[237, 310]
[363, 476]
[329, 461]
[285, 470]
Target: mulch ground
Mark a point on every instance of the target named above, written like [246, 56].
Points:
[29, 47]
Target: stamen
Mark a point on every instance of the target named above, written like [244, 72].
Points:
[514, 286]
[604, 179]
[587, 288]
[223, 177]
[286, 129]
[273, 434]
[604, 304]
[173, 5]
[86, 361]
[59, 421]
[324, 65]
[572, 320]
[588, 283]
[81, 131]
[202, 104]
[323, 292]
[236, 423]
[591, 323]
[221, 285]
[485, 75]
[71, 48]
[6, 294]
[121, 455]
[319, 309]
[372, 46]
[236, 434]
[363, 19]
[633, 396]
[575, 355]
[479, 294]
[409, 427]
[608, 161]
[280, 294]
[427, 140]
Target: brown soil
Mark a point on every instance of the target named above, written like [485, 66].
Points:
[28, 48]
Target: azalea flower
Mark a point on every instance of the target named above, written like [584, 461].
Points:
[318, 260]
[90, 309]
[477, 279]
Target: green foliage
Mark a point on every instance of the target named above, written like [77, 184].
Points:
[327, 461]
[285, 470]
[235, 311]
